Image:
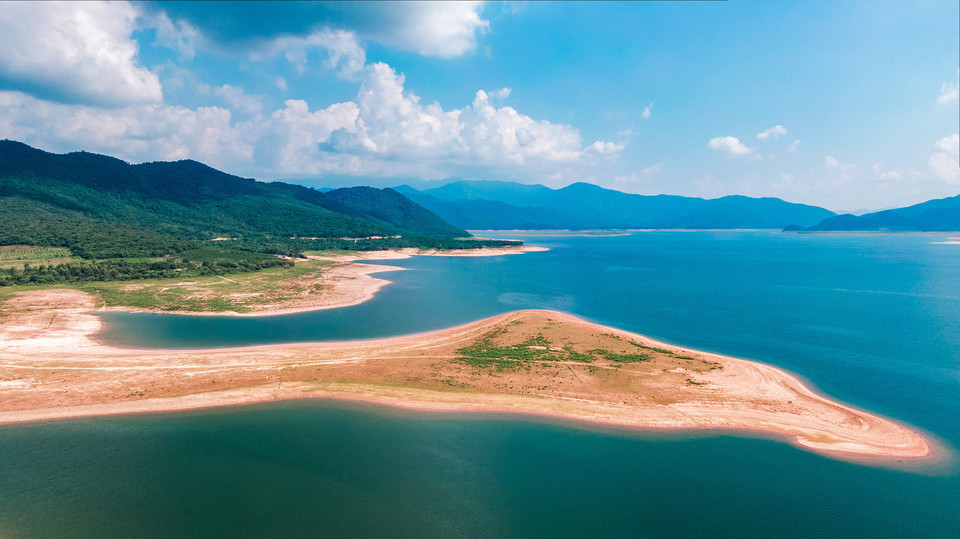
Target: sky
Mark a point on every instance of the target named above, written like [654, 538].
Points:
[849, 105]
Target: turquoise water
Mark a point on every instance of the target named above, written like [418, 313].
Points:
[872, 320]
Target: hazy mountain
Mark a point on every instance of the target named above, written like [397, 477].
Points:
[391, 209]
[932, 216]
[506, 205]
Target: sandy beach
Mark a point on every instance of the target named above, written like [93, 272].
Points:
[51, 366]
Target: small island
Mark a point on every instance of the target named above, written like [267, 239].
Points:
[536, 362]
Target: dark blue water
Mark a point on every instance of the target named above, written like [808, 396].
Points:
[872, 320]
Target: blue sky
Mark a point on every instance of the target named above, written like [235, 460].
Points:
[847, 105]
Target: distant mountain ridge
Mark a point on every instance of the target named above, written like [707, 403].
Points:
[508, 205]
[391, 209]
[939, 215]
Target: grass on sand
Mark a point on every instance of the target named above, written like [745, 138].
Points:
[239, 292]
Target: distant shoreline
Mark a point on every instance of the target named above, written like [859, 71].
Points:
[52, 367]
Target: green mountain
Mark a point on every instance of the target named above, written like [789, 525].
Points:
[102, 207]
[939, 215]
[506, 205]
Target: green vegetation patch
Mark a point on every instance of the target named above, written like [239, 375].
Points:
[626, 358]
[230, 292]
[656, 349]
[484, 353]
[23, 252]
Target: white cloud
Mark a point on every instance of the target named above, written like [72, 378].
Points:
[945, 163]
[730, 145]
[179, 35]
[844, 171]
[605, 147]
[646, 111]
[237, 99]
[945, 167]
[444, 29]
[794, 146]
[950, 144]
[626, 132]
[281, 83]
[949, 93]
[341, 49]
[288, 141]
[897, 175]
[140, 132]
[775, 132]
[74, 52]
[385, 131]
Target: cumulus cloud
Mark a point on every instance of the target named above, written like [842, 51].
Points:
[729, 145]
[647, 111]
[74, 52]
[140, 132]
[776, 131]
[385, 130]
[945, 162]
[794, 146]
[949, 93]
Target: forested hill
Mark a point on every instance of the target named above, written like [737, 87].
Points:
[101, 207]
[939, 215]
[507, 205]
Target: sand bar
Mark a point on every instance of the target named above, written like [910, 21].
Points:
[51, 366]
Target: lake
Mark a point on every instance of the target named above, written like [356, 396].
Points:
[873, 320]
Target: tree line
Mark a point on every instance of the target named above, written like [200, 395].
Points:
[128, 270]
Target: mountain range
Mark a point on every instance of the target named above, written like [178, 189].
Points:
[508, 205]
[939, 215]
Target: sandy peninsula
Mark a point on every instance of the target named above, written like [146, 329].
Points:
[531, 362]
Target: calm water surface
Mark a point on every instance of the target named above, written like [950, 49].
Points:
[872, 320]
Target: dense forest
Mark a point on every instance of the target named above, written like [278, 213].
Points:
[151, 220]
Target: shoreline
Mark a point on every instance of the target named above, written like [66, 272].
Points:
[347, 283]
[51, 367]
